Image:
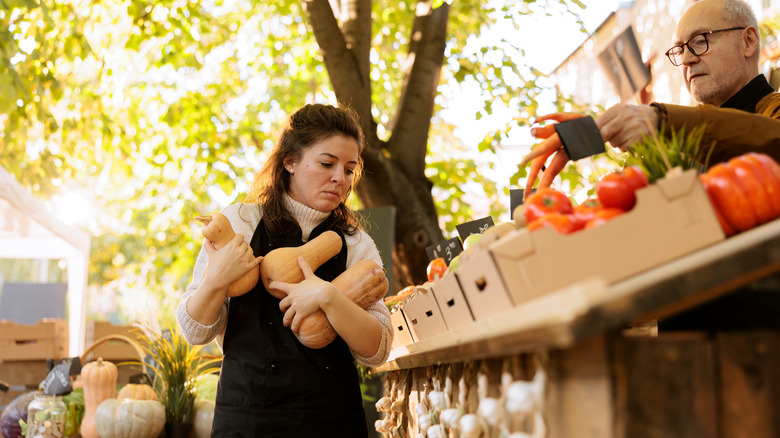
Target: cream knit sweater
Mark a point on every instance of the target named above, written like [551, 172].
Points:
[244, 218]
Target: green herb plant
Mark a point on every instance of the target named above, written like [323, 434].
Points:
[658, 154]
[176, 366]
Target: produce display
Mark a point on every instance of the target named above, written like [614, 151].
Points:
[682, 209]
[217, 229]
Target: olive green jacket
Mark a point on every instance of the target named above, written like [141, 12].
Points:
[733, 131]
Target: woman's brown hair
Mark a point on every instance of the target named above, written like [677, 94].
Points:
[307, 126]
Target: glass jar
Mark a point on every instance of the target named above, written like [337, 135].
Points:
[46, 417]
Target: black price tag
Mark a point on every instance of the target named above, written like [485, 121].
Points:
[447, 249]
[57, 381]
[476, 226]
[580, 137]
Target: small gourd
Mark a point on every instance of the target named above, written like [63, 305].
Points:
[137, 391]
[202, 418]
[364, 283]
[217, 229]
[130, 418]
[281, 264]
[99, 379]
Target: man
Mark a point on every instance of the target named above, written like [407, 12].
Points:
[716, 46]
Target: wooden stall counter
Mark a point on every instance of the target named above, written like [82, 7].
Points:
[607, 372]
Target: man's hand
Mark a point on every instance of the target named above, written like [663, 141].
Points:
[623, 124]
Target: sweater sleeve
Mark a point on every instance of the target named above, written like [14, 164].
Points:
[732, 132]
[361, 246]
[243, 218]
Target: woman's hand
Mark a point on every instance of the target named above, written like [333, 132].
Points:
[229, 263]
[304, 298]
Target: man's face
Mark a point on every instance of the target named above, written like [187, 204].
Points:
[718, 74]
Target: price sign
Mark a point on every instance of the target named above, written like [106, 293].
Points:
[57, 381]
[477, 226]
[580, 137]
[447, 250]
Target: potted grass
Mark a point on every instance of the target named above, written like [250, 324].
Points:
[176, 366]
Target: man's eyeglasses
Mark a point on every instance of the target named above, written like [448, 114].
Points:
[697, 44]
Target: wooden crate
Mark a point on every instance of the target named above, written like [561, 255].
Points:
[48, 339]
[22, 376]
[112, 349]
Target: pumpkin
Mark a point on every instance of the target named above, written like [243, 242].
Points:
[364, 283]
[281, 264]
[202, 418]
[217, 229]
[99, 379]
[137, 391]
[130, 418]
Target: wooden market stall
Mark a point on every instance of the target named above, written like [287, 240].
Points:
[606, 372]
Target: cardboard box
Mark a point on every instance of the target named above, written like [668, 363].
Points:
[452, 303]
[48, 339]
[111, 349]
[422, 314]
[401, 334]
[482, 283]
[672, 217]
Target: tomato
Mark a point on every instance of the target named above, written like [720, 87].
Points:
[436, 269]
[751, 178]
[585, 211]
[618, 189]
[724, 225]
[603, 216]
[770, 170]
[726, 192]
[545, 201]
[563, 223]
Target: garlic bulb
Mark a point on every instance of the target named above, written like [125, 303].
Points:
[436, 398]
[383, 405]
[425, 422]
[520, 397]
[420, 409]
[449, 417]
[519, 435]
[490, 409]
[437, 431]
[398, 405]
[471, 426]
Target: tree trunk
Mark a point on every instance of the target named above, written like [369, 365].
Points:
[393, 170]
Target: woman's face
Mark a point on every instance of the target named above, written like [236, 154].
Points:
[323, 175]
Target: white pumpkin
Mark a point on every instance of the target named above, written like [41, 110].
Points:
[202, 419]
[129, 418]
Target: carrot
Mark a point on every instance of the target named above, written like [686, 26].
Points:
[533, 172]
[556, 165]
[546, 148]
[543, 131]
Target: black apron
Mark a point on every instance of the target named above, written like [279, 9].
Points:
[270, 384]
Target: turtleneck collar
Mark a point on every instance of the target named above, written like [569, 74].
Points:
[747, 98]
[307, 217]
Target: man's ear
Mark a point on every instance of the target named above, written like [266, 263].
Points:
[751, 41]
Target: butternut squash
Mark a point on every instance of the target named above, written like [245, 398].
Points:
[99, 379]
[281, 264]
[217, 229]
[364, 283]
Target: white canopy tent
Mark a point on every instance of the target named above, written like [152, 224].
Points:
[29, 231]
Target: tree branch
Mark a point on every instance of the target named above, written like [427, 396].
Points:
[409, 142]
[343, 65]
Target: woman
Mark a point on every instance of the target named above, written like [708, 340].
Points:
[270, 384]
